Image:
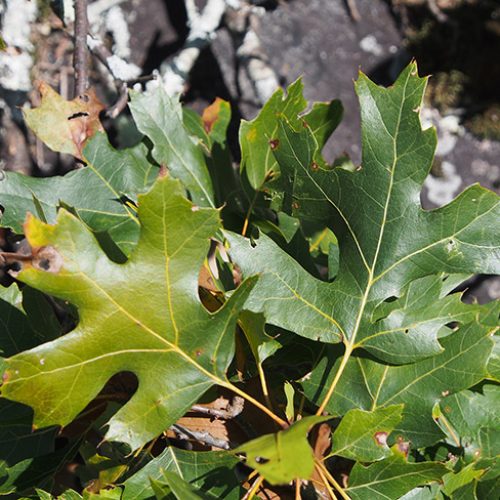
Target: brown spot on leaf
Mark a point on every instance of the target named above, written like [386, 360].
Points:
[274, 143]
[163, 171]
[403, 446]
[445, 393]
[295, 205]
[5, 377]
[198, 353]
[47, 259]
[447, 409]
[381, 438]
[314, 166]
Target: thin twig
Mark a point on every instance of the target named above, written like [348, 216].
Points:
[121, 102]
[437, 12]
[233, 409]
[80, 62]
[200, 436]
[353, 10]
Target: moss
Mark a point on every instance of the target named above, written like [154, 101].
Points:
[44, 9]
[446, 89]
[486, 125]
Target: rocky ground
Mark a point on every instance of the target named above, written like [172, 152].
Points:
[326, 42]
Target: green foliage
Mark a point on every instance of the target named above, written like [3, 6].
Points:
[325, 341]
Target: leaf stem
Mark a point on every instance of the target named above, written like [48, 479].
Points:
[298, 484]
[448, 427]
[255, 487]
[263, 383]
[343, 364]
[247, 216]
[325, 483]
[332, 480]
[257, 403]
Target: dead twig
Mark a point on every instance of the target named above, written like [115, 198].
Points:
[437, 12]
[80, 62]
[201, 436]
[231, 411]
[352, 8]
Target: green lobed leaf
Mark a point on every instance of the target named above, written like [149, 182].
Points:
[95, 192]
[258, 137]
[455, 481]
[494, 361]
[362, 435]
[159, 117]
[391, 478]
[143, 316]
[257, 159]
[270, 455]
[386, 240]
[172, 483]
[471, 421]
[368, 384]
[211, 472]
[25, 321]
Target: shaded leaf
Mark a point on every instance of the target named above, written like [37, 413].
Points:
[391, 478]
[159, 117]
[211, 472]
[368, 384]
[95, 192]
[455, 481]
[470, 419]
[157, 339]
[172, 483]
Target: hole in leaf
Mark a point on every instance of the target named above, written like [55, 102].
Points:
[77, 115]
[117, 391]
[261, 460]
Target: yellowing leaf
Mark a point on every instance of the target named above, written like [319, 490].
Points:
[144, 316]
[64, 126]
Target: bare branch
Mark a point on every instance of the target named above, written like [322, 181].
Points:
[80, 61]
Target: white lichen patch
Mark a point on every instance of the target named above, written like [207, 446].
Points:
[442, 190]
[16, 62]
[123, 70]
[117, 25]
[371, 45]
